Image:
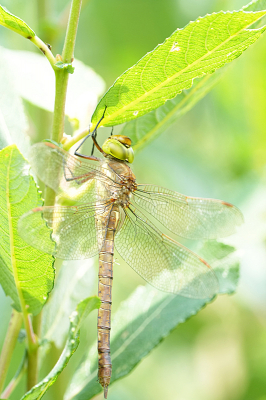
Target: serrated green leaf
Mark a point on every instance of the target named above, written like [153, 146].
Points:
[76, 320]
[26, 274]
[146, 128]
[13, 123]
[74, 283]
[144, 320]
[14, 23]
[200, 48]
[35, 82]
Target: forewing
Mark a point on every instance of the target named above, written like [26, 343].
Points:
[189, 217]
[77, 232]
[65, 174]
[164, 263]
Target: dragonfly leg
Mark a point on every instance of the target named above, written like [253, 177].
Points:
[93, 135]
[78, 179]
[71, 173]
[95, 143]
[92, 149]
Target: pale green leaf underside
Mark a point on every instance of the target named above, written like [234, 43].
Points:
[146, 128]
[12, 130]
[145, 319]
[257, 5]
[196, 50]
[74, 283]
[34, 81]
[14, 23]
[76, 320]
[22, 268]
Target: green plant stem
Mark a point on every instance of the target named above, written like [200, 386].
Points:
[9, 345]
[32, 376]
[61, 75]
[42, 10]
[62, 20]
[36, 324]
[32, 372]
[61, 82]
[32, 343]
[44, 49]
[70, 39]
[33, 360]
[18, 375]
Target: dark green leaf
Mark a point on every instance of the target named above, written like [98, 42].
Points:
[14, 23]
[145, 319]
[26, 274]
[76, 320]
[200, 48]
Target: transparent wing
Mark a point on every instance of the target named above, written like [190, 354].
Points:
[77, 232]
[164, 263]
[65, 174]
[189, 217]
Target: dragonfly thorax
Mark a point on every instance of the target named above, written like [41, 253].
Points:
[122, 198]
[122, 182]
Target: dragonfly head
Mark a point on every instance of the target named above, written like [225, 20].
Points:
[119, 146]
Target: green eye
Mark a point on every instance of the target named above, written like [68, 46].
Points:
[130, 155]
[116, 149]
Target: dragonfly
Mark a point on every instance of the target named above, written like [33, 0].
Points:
[100, 207]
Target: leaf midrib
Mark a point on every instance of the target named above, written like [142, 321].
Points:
[11, 235]
[156, 88]
[9, 216]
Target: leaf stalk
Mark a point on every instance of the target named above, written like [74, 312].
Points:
[13, 383]
[9, 345]
[78, 136]
[44, 49]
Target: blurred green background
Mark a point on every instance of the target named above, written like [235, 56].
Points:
[218, 149]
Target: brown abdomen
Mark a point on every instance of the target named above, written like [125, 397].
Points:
[105, 295]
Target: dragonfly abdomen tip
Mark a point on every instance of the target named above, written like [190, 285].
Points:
[105, 392]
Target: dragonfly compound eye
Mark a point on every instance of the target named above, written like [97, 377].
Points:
[118, 150]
